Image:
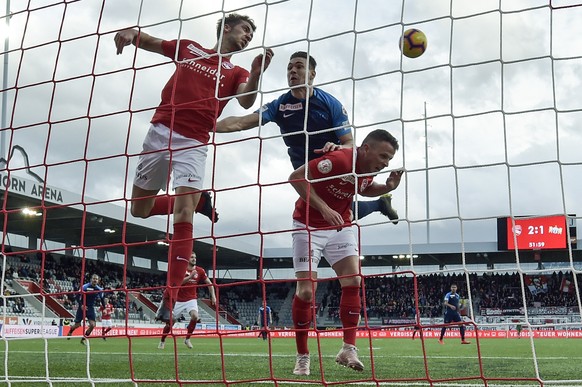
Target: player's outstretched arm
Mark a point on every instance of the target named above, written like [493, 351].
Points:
[139, 39]
[391, 184]
[248, 97]
[236, 124]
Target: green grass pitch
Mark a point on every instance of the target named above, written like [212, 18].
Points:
[396, 362]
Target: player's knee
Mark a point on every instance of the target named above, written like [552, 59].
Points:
[305, 294]
[138, 211]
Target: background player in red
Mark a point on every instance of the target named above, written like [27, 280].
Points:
[187, 301]
[328, 203]
[180, 128]
[106, 323]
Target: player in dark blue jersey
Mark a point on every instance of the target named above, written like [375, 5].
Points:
[452, 308]
[327, 128]
[90, 292]
[264, 319]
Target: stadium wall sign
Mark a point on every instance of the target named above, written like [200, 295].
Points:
[541, 311]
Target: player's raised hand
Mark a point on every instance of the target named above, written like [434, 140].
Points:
[328, 147]
[257, 66]
[394, 179]
[124, 38]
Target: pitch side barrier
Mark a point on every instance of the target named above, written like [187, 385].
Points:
[362, 333]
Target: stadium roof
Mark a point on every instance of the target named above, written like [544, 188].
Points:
[72, 222]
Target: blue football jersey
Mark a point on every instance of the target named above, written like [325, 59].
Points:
[325, 113]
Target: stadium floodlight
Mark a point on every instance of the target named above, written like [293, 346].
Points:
[29, 212]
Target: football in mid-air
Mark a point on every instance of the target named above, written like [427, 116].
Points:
[413, 43]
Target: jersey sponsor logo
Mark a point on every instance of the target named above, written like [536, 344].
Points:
[291, 106]
[197, 51]
[287, 115]
[324, 166]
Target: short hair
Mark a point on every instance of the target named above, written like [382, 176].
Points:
[380, 135]
[232, 20]
[304, 55]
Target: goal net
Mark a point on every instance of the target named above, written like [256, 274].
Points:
[488, 125]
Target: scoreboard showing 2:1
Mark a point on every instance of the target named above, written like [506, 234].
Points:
[533, 233]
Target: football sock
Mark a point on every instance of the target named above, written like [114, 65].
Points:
[443, 329]
[365, 208]
[165, 332]
[462, 329]
[164, 205]
[302, 316]
[190, 328]
[350, 305]
[179, 255]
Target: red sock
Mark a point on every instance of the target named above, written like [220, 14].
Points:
[180, 251]
[190, 328]
[163, 205]
[165, 332]
[350, 305]
[302, 316]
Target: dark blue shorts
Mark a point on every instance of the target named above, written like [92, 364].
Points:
[89, 314]
[452, 317]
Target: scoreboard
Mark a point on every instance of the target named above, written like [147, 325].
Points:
[535, 232]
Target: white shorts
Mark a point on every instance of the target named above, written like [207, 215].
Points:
[187, 160]
[185, 308]
[333, 244]
[107, 323]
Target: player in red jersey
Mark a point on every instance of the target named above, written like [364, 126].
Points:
[106, 311]
[179, 133]
[330, 203]
[187, 301]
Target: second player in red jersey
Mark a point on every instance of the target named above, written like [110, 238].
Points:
[187, 299]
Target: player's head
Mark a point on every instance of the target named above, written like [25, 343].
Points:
[453, 288]
[301, 67]
[376, 151]
[192, 261]
[94, 279]
[237, 31]
[106, 300]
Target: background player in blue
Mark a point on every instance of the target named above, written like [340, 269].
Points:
[264, 319]
[90, 292]
[452, 314]
[327, 124]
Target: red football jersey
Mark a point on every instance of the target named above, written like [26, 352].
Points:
[188, 292]
[106, 311]
[189, 104]
[336, 192]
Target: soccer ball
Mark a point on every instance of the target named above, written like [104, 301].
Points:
[413, 43]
